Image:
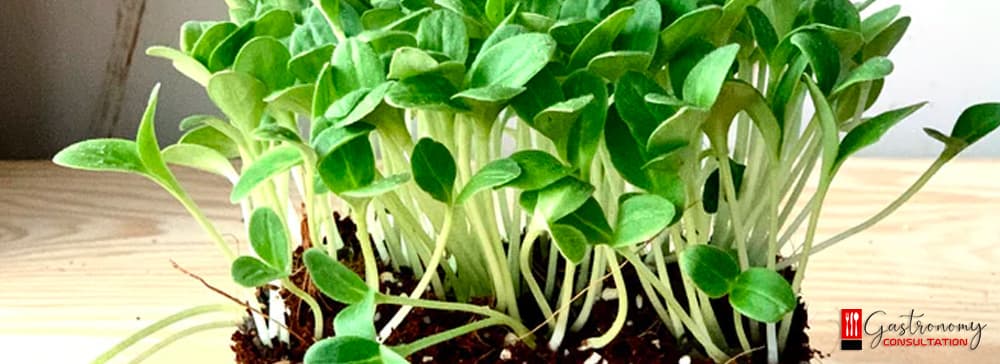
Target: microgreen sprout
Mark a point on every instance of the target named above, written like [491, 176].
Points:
[632, 133]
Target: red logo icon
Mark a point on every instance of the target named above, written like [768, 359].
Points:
[850, 329]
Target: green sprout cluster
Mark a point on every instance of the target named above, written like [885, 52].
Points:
[471, 137]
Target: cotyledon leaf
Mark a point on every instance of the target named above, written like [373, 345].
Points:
[875, 68]
[494, 174]
[871, 131]
[273, 162]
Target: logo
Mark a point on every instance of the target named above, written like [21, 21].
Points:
[850, 329]
[912, 329]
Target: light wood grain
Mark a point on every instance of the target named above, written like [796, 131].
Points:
[84, 259]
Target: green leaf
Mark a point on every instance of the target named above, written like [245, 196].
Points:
[408, 23]
[146, 144]
[630, 100]
[676, 132]
[876, 23]
[642, 31]
[589, 9]
[762, 295]
[239, 96]
[601, 38]
[561, 198]
[612, 65]
[733, 13]
[829, 134]
[712, 270]
[387, 41]
[837, 13]
[497, 10]
[570, 32]
[365, 106]
[266, 59]
[201, 158]
[444, 31]
[783, 14]
[277, 133]
[976, 122]
[713, 187]
[333, 278]
[685, 29]
[511, 63]
[325, 94]
[883, 43]
[787, 86]
[873, 69]
[307, 66]
[702, 86]
[332, 138]
[210, 39]
[276, 23]
[939, 136]
[501, 34]
[872, 130]
[823, 55]
[640, 218]
[344, 350]
[331, 11]
[589, 219]
[559, 119]
[494, 174]
[423, 92]
[346, 104]
[349, 167]
[212, 138]
[434, 169]
[585, 136]
[487, 94]
[194, 121]
[296, 99]
[741, 96]
[570, 241]
[191, 31]
[184, 63]
[763, 31]
[540, 92]
[684, 61]
[114, 155]
[378, 187]
[625, 151]
[355, 66]
[862, 5]
[378, 17]
[850, 99]
[252, 272]
[312, 34]
[409, 62]
[538, 169]
[358, 319]
[269, 239]
[275, 161]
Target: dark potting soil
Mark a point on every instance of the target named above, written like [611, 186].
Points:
[644, 339]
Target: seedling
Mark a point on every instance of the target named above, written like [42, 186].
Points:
[640, 132]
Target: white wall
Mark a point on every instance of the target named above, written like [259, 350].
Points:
[53, 52]
[950, 58]
[179, 96]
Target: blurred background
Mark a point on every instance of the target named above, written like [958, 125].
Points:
[55, 76]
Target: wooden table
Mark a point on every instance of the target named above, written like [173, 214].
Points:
[85, 260]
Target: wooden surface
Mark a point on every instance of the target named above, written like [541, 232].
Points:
[84, 260]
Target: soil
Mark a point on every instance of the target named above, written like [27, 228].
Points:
[645, 339]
